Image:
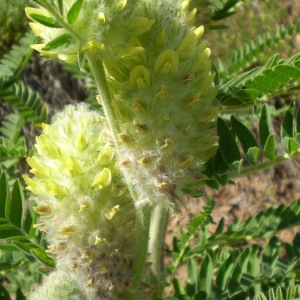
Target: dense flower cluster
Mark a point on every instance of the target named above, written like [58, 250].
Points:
[160, 77]
[83, 204]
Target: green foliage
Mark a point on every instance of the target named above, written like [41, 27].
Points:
[21, 245]
[13, 23]
[16, 93]
[228, 162]
[249, 54]
[242, 270]
[292, 293]
[260, 84]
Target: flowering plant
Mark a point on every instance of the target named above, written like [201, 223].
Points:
[104, 185]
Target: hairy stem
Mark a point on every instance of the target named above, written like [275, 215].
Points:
[158, 229]
[103, 89]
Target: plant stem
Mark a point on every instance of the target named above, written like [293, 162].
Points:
[103, 89]
[264, 165]
[158, 229]
[143, 214]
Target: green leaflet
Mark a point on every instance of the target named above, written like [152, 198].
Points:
[267, 139]
[61, 42]
[41, 255]
[74, 11]
[228, 146]
[247, 140]
[288, 134]
[275, 77]
[206, 276]
[47, 21]
[16, 205]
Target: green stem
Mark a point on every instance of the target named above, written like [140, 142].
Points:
[104, 93]
[158, 230]
[143, 214]
[264, 165]
[142, 227]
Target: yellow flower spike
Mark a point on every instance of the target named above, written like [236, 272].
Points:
[43, 209]
[101, 18]
[68, 230]
[188, 46]
[191, 15]
[45, 147]
[55, 189]
[134, 54]
[46, 129]
[103, 179]
[38, 29]
[70, 167]
[167, 63]
[140, 25]
[139, 77]
[109, 215]
[125, 139]
[144, 160]
[114, 69]
[121, 5]
[120, 111]
[81, 142]
[32, 185]
[93, 46]
[141, 127]
[105, 157]
[199, 31]
[198, 64]
[176, 26]
[185, 160]
[161, 94]
[38, 169]
[68, 58]
[194, 100]
[138, 106]
[185, 4]
[83, 207]
[160, 39]
[98, 240]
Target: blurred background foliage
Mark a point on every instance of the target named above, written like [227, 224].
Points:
[13, 23]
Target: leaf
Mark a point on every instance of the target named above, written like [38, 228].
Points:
[4, 295]
[247, 140]
[288, 124]
[20, 295]
[267, 139]
[62, 41]
[224, 272]
[74, 11]
[17, 205]
[228, 146]
[192, 287]
[46, 21]
[178, 286]
[3, 194]
[289, 145]
[10, 232]
[206, 275]
[42, 256]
